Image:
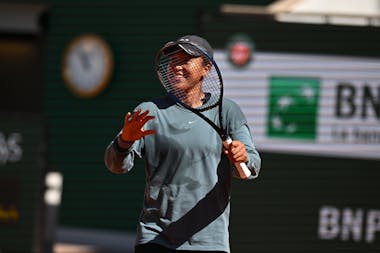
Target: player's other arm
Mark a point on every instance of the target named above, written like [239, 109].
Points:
[242, 149]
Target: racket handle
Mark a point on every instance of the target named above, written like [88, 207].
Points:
[242, 168]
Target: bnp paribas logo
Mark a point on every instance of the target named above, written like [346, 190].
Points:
[293, 107]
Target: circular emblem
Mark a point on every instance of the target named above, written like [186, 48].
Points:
[240, 50]
[87, 65]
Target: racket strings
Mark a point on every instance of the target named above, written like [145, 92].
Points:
[188, 81]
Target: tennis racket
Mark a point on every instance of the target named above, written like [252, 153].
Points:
[193, 80]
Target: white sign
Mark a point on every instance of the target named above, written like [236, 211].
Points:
[348, 224]
[10, 148]
[308, 104]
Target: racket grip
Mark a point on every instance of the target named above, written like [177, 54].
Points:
[241, 168]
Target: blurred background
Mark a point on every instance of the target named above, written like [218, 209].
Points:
[305, 72]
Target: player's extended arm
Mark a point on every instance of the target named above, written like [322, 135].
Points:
[118, 152]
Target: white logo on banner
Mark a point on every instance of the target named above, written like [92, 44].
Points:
[348, 224]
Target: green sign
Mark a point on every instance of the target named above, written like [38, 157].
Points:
[293, 107]
[21, 182]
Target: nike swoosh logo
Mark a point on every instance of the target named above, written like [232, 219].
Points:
[192, 121]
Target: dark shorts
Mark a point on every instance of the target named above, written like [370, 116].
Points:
[156, 248]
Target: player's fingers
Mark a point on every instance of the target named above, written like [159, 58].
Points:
[135, 114]
[141, 116]
[240, 155]
[235, 148]
[127, 117]
[146, 119]
[148, 132]
[238, 151]
[236, 143]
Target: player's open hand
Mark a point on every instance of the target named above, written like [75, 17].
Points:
[134, 126]
[236, 152]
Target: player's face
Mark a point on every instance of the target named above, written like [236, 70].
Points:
[186, 71]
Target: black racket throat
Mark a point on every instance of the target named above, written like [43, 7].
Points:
[222, 133]
[198, 111]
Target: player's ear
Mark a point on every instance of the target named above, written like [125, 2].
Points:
[207, 66]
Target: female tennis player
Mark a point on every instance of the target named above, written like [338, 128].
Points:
[189, 167]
